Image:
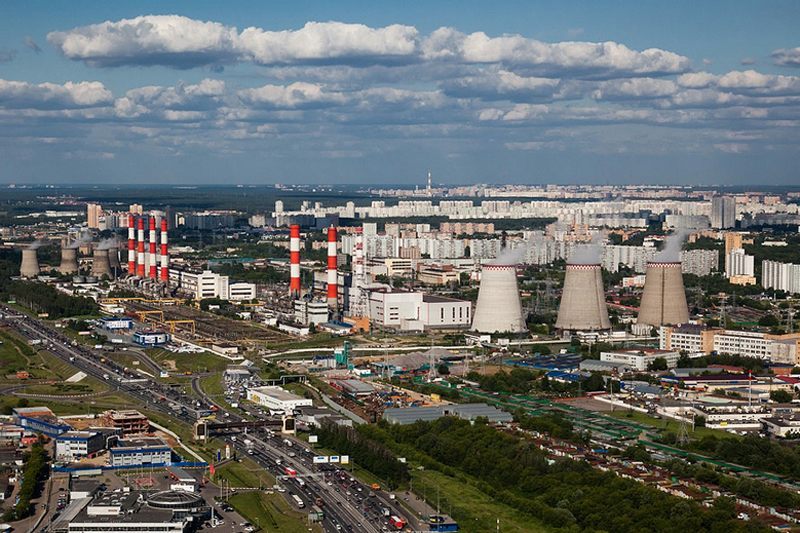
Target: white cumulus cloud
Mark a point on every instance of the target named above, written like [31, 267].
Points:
[22, 95]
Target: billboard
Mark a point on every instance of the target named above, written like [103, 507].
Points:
[320, 459]
[333, 459]
[313, 439]
[344, 459]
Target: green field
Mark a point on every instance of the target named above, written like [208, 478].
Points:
[669, 424]
[14, 354]
[245, 474]
[188, 362]
[474, 511]
[270, 512]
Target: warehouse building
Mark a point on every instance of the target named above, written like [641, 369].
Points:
[75, 445]
[40, 420]
[143, 451]
[277, 399]
[150, 338]
[466, 411]
[407, 310]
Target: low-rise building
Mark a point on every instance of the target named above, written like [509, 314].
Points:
[141, 451]
[74, 445]
[697, 340]
[113, 323]
[466, 411]
[307, 312]
[277, 399]
[40, 420]
[128, 422]
[150, 338]
[641, 358]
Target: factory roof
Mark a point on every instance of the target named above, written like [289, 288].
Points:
[355, 386]
[467, 411]
[276, 392]
[139, 443]
[432, 298]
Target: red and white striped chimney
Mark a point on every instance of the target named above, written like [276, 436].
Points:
[140, 249]
[131, 246]
[153, 274]
[164, 252]
[333, 274]
[294, 261]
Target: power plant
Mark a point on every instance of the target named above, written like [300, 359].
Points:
[583, 302]
[69, 260]
[664, 298]
[29, 268]
[499, 309]
[100, 264]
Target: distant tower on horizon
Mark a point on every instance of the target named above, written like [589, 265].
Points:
[429, 183]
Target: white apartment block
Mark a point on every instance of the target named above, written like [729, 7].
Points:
[739, 264]
[780, 276]
[699, 262]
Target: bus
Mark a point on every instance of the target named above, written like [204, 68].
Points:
[299, 502]
[397, 522]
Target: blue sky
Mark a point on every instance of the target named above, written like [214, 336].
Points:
[377, 92]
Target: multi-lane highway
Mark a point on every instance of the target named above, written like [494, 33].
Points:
[346, 503]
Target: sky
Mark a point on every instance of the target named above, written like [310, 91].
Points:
[380, 92]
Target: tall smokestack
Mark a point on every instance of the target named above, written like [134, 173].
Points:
[140, 250]
[152, 256]
[29, 268]
[664, 298]
[294, 261]
[583, 301]
[100, 265]
[499, 309]
[333, 275]
[164, 252]
[131, 246]
[69, 260]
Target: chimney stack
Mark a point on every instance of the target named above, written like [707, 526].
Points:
[152, 256]
[294, 261]
[333, 274]
[131, 246]
[140, 250]
[164, 252]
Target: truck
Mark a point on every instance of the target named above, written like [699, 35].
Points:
[248, 443]
[290, 471]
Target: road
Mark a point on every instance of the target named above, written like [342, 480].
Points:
[346, 503]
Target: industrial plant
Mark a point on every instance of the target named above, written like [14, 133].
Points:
[583, 302]
[664, 298]
[498, 309]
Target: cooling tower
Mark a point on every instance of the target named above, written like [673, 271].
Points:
[583, 302]
[664, 299]
[100, 265]
[113, 259]
[69, 261]
[498, 308]
[29, 268]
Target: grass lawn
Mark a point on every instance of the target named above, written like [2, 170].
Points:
[472, 509]
[188, 362]
[669, 424]
[245, 474]
[270, 512]
[14, 354]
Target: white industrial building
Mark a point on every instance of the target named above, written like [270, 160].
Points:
[416, 311]
[307, 312]
[141, 451]
[640, 359]
[696, 340]
[203, 284]
[277, 399]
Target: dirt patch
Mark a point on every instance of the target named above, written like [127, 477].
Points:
[169, 364]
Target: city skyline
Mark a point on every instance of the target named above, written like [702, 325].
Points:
[369, 94]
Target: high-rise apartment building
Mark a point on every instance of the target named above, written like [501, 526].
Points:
[739, 263]
[780, 276]
[723, 212]
[93, 214]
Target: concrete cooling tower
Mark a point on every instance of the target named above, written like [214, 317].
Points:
[583, 302]
[29, 268]
[69, 261]
[663, 299]
[100, 265]
[498, 309]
